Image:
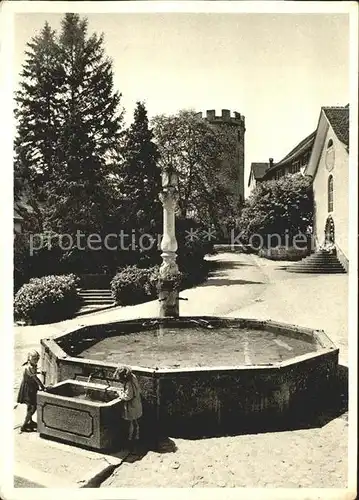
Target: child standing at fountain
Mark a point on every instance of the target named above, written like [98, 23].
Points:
[28, 390]
[130, 394]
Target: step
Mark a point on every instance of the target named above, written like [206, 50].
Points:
[312, 266]
[104, 295]
[315, 264]
[323, 269]
[85, 297]
[100, 297]
[97, 301]
[312, 271]
[321, 257]
[316, 271]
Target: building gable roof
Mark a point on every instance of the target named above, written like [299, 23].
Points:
[298, 149]
[258, 170]
[338, 118]
[304, 145]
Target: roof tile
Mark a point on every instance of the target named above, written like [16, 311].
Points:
[338, 118]
[259, 169]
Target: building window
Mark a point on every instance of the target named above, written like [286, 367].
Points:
[295, 167]
[330, 193]
[304, 160]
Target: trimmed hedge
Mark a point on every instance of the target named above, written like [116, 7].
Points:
[47, 299]
[138, 283]
[133, 285]
[283, 253]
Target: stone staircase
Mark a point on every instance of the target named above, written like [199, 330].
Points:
[320, 262]
[95, 299]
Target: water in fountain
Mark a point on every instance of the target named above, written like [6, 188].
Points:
[198, 345]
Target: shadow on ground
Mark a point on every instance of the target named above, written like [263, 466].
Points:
[225, 264]
[213, 281]
[162, 446]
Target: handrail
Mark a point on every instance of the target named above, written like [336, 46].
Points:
[343, 258]
[340, 250]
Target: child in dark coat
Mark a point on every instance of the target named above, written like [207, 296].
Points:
[28, 390]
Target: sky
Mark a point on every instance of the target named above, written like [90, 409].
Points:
[275, 69]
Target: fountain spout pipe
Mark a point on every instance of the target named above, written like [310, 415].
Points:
[99, 373]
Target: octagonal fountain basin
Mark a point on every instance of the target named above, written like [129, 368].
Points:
[82, 413]
[202, 376]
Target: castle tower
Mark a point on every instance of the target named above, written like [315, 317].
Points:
[233, 166]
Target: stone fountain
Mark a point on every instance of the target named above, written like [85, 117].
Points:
[199, 376]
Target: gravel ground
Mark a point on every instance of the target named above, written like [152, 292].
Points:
[64, 464]
[310, 458]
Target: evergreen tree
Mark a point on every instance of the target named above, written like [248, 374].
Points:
[69, 126]
[90, 138]
[37, 113]
[140, 182]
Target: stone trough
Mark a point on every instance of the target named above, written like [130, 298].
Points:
[199, 376]
[82, 413]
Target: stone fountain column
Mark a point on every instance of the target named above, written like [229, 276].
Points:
[169, 272]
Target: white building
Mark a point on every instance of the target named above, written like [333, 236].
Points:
[329, 168]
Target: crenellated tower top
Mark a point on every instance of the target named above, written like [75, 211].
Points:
[226, 116]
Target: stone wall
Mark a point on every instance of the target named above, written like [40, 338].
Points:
[233, 166]
[247, 400]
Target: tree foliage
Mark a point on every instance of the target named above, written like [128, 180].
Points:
[278, 207]
[196, 150]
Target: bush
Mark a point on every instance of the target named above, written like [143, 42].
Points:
[45, 261]
[137, 283]
[133, 285]
[283, 253]
[47, 299]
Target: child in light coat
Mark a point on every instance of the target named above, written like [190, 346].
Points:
[130, 393]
